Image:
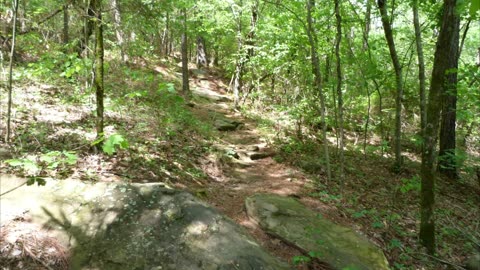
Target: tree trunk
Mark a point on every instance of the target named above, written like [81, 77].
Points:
[368, 20]
[238, 77]
[117, 25]
[421, 67]
[447, 163]
[10, 70]
[445, 59]
[88, 28]
[99, 71]
[317, 82]
[166, 39]
[202, 58]
[185, 85]
[338, 41]
[66, 18]
[387, 27]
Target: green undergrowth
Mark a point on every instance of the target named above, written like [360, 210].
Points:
[150, 133]
[380, 203]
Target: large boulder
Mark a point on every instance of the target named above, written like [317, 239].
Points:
[291, 221]
[135, 226]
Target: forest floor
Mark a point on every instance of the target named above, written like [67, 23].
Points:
[175, 142]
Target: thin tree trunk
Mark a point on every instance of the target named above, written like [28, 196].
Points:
[117, 25]
[88, 29]
[317, 83]
[387, 27]
[166, 41]
[338, 41]
[445, 59]
[10, 70]
[185, 83]
[421, 67]
[66, 19]
[99, 71]
[368, 19]
[238, 78]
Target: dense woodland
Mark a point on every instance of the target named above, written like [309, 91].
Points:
[377, 101]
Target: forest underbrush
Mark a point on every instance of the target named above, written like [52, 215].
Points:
[152, 134]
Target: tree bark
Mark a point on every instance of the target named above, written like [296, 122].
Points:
[317, 82]
[338, 41]
[99, 70]
[445, 59]
[185, 83]
[447, 163]
[387, 27]
[421, 67]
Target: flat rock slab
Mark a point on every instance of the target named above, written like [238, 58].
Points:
[135, 226]
[291, 221]
[211, 95]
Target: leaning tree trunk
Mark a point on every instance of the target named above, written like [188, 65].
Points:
[317, 82]
[99, 71]
[445, 59]
[10, 71]
[387, 27]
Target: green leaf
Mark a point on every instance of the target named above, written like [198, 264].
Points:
[14, 162]
[474, 7]
[71, 157]
[30, 167]
[113, 141]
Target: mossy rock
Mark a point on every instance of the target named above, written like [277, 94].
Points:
[291, 221]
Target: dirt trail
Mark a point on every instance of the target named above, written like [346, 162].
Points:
[242, 176]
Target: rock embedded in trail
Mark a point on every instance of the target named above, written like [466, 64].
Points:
[262, 155]
[291, 221]
[227, 124]
[114, 226]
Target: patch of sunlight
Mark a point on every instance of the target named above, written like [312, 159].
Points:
[196, 228]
